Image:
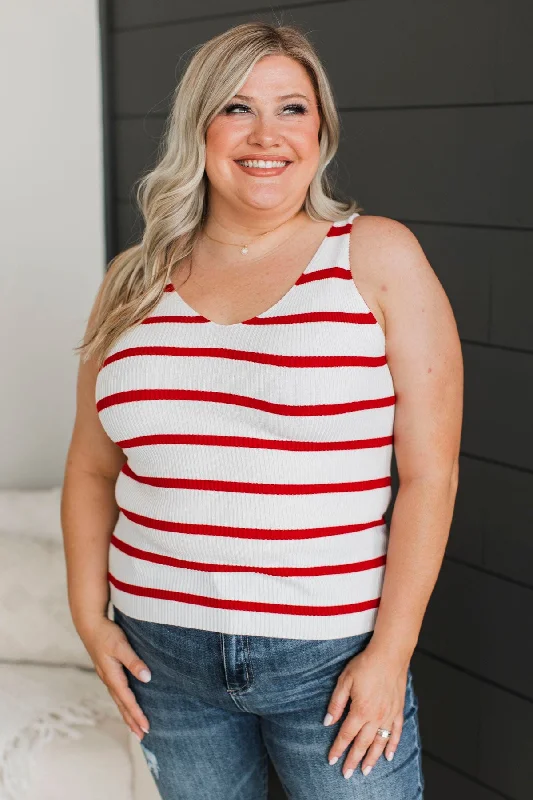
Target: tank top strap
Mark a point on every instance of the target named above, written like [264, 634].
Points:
[336, 252]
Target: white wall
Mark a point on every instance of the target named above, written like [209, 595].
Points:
[52, 225]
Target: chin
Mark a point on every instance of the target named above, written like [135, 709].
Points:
[266, 204]
[264, 195]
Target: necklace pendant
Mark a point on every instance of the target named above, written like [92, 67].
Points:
[244, 250]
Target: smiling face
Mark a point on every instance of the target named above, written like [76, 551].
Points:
[274, 116]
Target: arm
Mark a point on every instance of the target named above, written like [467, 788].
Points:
[88, 516]
[88, 508]
[424, 356]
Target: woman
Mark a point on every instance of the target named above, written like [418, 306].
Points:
[235, 467]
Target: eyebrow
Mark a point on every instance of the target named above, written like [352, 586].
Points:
[281, 97]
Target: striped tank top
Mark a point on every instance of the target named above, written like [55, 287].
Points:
[258, 461]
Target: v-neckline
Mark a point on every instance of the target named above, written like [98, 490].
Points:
[230, 325]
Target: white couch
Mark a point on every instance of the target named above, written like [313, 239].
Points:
[61, 735]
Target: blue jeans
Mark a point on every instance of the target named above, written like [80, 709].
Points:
[218, 703]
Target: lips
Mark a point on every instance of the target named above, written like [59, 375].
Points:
[263, 158]
[265, 172]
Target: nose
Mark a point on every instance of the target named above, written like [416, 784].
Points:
[265, 131]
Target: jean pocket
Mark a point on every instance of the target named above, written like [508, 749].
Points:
[360, 641]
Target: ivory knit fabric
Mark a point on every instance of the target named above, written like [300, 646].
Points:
[258, 461]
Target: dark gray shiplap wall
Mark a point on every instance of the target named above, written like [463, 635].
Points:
[436, 110]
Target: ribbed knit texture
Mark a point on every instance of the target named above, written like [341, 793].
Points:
[259, 456]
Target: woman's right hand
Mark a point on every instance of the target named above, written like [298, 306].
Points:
[110, 651]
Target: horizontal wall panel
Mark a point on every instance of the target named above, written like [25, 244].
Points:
[488, 278]
[482, 624]
[461, 259]
[129, 225]
[506, 739]
[497, 409]
[479, 729]
[449, 711]
[493, 519]
[513, 53]
[443, 783]
[376, 53]
[511, 260]
[493, 40]
[465, 541]
[168, 49]
[467, 165]
[128, 13]
[137, 142]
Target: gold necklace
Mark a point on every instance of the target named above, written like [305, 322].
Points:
[244, 247]
[276, 247]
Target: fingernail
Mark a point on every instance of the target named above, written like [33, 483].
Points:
[367, 769]
[348, 773]
[328, 719]
[137, 736]
[333, 760]
[145, 675]
[390, 756]
[146, 730]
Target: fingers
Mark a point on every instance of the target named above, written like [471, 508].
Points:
[381, 746]
[349, 729]
[117, 684]
[366, 741]
[130, 659]
[127, 716]
[362, 742]
[338, 700]
[393, 742]
[110, 668]
[369, 746]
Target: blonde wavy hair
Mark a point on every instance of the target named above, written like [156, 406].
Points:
[173, 196]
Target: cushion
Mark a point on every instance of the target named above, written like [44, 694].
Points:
[34, 513]
[46, 715]
[95, 767]
[35, 619]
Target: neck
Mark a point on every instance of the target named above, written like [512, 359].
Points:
[231, 225]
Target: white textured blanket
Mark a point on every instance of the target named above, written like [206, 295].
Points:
[37, 704]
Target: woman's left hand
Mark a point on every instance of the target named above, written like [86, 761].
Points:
[377, 691]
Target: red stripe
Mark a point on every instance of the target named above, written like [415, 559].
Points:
[326, 272]
[135, 395]
[242, 605]
[339, 230]
[363, 318]
[284, 572]
[249, 441]
[256, 488]
[262, 534]
[174, 318]
[245, 355]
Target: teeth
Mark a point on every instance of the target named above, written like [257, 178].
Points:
[263, 164]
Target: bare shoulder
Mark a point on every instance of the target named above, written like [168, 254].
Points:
[389, 241]
[422, 345]
[386, 260]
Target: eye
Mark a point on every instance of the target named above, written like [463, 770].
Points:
[299, 108]
[232, 106]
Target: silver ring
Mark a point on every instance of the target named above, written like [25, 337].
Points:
[384, 733]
